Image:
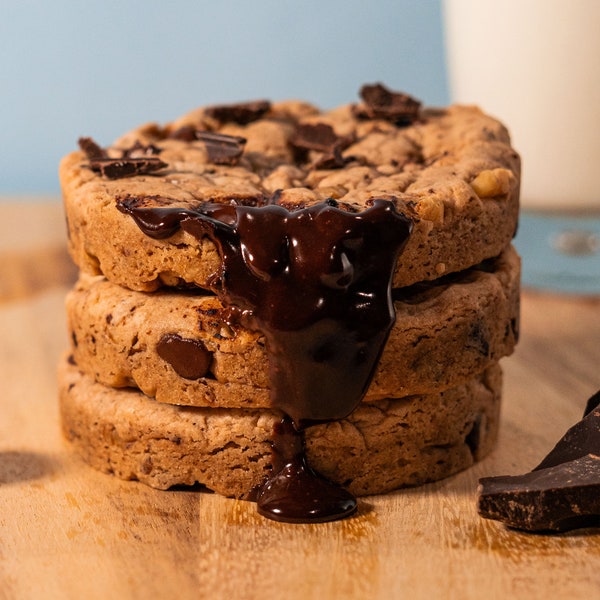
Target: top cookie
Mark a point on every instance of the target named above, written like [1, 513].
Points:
[452, 171]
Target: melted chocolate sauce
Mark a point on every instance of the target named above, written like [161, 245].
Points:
[296, 493]
[317, 283]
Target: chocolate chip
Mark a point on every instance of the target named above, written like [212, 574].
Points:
[382, 103]
[561, 493]
[189, 358]
[242, 113]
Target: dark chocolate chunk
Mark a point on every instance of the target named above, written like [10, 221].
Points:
[592, 403]
[382, 103]
[242, 113]
[558, 498]
[315, 136]
[91, 149]
[581, 439]
[189, 358]
[222, 149]
[321, 137]
[561, 493]
[119, 168]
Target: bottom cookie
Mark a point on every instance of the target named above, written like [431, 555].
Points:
[381, 446]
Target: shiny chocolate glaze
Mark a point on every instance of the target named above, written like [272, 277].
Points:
[317, 283]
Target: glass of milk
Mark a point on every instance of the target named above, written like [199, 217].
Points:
[535, 65]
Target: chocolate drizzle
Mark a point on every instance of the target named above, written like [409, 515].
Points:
[295, 493]
[317, 283]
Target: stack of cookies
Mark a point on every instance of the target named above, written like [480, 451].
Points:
[347, 271]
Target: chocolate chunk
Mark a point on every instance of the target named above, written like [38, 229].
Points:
[592, 403]
[321, 137]
[92, 150]
[581, 439]
[242, 113]
[318, 136]
[382, 103]
[190, 358]
[222, 149]
[561, 493]
[559, 498]
[119, 168]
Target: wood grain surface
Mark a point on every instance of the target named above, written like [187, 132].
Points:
[67, 531]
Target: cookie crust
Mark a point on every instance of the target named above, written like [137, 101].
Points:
[381, 446]
[445, 333]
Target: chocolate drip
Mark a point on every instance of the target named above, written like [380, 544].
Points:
[295, 493]
[317, 283]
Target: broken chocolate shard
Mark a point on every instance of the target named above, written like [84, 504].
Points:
[222, 149]
[382, 103]
[91, 149]
[321, 137]
[592, 403]
[561, 493]
[315, 136]
[119, 168]
[558, 498]
[241, 113]
[581, 439]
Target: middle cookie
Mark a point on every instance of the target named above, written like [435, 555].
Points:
[178, 348]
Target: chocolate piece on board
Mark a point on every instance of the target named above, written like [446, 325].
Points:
[561, 493]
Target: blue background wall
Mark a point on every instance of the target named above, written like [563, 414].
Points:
[71, 68]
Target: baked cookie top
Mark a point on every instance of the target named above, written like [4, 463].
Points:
[452, 171]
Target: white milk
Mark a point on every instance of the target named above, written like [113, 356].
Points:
[535, 64]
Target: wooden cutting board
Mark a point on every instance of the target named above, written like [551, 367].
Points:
[67, 531]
